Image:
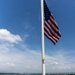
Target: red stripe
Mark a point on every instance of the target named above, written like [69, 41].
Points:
[51, 29]
[54, 29]
[52, 16]
[50, 35]
[48, 25]
[53, 22]
[50, 39]
[53, 34]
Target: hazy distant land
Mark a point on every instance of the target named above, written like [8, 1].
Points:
[36, 74]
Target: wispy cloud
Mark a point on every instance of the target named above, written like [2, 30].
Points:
[30, 61]
[12, 59]
[9, 64]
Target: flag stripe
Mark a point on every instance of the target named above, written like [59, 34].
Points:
[50, 21]
[53, 21]
[54, 29]
[52, 32]
[51, 29]
[46, 30]
[50, 38]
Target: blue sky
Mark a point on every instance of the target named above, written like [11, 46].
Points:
[20, 36]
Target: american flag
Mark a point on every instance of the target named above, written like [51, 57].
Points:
[51, 30]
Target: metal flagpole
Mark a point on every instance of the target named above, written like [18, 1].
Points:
[43, 46]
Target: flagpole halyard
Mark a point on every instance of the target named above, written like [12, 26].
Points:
[43, 46]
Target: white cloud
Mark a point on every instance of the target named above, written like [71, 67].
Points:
[30, 60]
[12, 59]
[5, 35]
[9, 64]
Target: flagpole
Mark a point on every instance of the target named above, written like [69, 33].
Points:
[43, 46]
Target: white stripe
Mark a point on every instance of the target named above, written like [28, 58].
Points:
[51, 34]
[50, 38]
[51, 29]
[54, 26]
[53, 21]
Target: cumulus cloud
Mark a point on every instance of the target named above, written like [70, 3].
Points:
[5, 35]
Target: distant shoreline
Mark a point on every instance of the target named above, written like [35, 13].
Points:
[37, 74]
